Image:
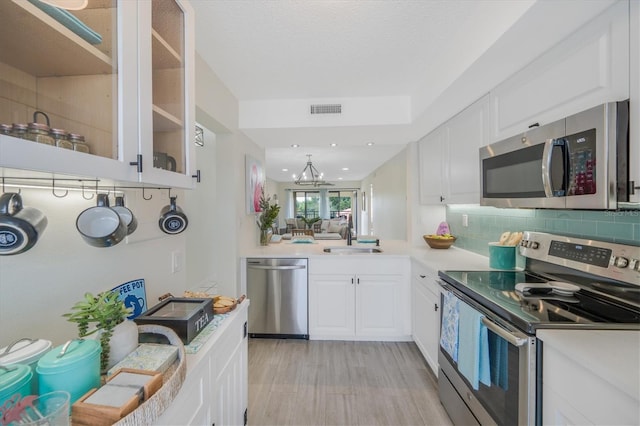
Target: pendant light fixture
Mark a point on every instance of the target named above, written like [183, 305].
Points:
[310, 176]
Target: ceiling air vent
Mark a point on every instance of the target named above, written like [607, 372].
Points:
[326, 109]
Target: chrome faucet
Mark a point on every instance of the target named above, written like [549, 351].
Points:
[349, 226]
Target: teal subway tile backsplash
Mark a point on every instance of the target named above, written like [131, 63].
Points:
[487, 223]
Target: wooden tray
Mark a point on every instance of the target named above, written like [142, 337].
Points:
[229, 308]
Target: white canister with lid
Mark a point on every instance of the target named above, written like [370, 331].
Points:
[26, 351]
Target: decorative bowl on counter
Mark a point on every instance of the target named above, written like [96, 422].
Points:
[439, 241]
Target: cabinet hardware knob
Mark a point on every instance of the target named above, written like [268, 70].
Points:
[441, 198]
[435, 307]
[197, 176]
[534, 125]
[422, 276]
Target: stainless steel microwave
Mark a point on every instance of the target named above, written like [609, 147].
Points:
[579, 162]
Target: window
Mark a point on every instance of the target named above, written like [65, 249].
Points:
[307, 204]
[340, 204]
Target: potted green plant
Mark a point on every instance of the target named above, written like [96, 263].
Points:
[268, 214]
[310, 222]
[106, 315]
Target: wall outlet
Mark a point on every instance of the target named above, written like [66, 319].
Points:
[465, 220]
[177, 261]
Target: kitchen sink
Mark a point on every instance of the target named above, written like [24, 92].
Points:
[352, 250]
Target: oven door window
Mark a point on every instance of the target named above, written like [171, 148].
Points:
[500, 398]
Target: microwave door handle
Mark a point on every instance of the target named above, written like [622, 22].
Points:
[506, 335]
[547, 160]
[546, 167]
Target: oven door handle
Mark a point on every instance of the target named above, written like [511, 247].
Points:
[506, 335]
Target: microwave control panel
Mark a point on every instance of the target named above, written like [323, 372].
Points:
[581, 149]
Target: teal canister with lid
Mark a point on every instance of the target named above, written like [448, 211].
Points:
[14, 379]
[73, 367]
[26, 351]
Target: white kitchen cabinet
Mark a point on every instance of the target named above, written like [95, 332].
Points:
[590, 377]
[425, 310]
[588, 68]
[105, 90]
[192, 405]
[448, 156]
[230, 384]
[362, 300]
[215, 391]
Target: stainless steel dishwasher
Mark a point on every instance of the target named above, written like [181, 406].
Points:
[278, 292]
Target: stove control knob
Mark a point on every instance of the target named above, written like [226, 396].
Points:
[635, 264]
[621, 262]
[534, 245]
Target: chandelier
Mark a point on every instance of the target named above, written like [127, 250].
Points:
[311, 176]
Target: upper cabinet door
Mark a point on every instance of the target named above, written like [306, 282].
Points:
[588, 68]
[64, 69]
[166, 76]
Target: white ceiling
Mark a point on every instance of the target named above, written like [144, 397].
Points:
[331, 50]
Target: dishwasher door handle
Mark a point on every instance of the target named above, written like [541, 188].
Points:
[276, 268]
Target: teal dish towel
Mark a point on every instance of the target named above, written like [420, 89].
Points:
[69, 21]
[473, 347]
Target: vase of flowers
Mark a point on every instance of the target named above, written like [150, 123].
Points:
[268, 214]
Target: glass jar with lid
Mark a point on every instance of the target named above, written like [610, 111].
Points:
[38, 132]
[19, 131]
[5, 129]
[78, 142]
[61, 138]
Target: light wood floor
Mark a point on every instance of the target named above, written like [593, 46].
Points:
[298, 382]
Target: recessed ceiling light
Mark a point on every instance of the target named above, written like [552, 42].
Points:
[334, 144]
[339, 178]
[285, 170]
[345, 169]
[369, 143]
[295, 145]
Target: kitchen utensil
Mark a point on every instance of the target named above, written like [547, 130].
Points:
[126, 215]
[172, 219]
[556, 287]
[73, 367]
[26, 351]
[14, 379]
[162, 160]
[101, 226]
[20, 227]
[502, 257]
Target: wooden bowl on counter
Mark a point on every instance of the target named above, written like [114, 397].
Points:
[439, 243]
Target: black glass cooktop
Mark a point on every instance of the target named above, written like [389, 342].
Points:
[495, 290]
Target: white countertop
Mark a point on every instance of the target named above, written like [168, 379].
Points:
[613, 355]
[435, 259]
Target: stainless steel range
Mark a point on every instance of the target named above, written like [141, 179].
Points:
[489, 356]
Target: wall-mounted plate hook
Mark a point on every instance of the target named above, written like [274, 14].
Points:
[85, 196]
[145, 198]
[53, 190]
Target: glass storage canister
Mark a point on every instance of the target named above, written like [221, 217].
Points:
[19, 131]
[61, 139]
[6, 129]
[38, 132]
[78, 143]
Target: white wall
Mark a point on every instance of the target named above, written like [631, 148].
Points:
[38, 286]
[389, 203]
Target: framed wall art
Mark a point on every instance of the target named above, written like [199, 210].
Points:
[254, 182]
